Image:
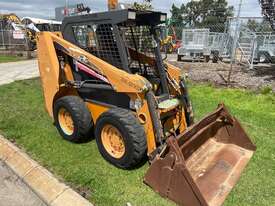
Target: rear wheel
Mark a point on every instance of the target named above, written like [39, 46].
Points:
[72, 118]
[215, 57]
[207, 58]
[264, 57]
[179, 57]
[120, 138]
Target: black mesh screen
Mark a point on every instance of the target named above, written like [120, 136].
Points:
[99, 40]
[139, 39]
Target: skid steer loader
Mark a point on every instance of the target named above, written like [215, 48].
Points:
[104, 75]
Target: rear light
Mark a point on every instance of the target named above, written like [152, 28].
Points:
[163, 18]
[132, 15]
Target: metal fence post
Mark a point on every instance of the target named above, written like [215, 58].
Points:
[3, 40]
[2, 35]
[253, 51]
[235, 41]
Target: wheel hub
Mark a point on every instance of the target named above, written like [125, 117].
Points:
[66, 121]
[112, 141]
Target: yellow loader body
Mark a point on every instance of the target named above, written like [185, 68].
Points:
[99, 79]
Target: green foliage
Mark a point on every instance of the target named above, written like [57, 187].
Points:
[268, 8]
[256, 26]
[201, 14]
[176, 20]
[266, 90]
[145, 5]
[4, 59]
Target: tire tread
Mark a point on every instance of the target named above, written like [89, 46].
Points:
[82, 116]
[135, 131]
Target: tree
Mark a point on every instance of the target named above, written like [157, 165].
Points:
[210, 14]
[259, 26]
[268, 8]
[145, 5]
[176, 20]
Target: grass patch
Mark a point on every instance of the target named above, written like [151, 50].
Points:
[4, 59]
[266, 90]
[23, 118]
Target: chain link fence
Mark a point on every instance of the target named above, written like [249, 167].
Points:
[255, 42]
[208, 43]
[14, 39]
[10, 39]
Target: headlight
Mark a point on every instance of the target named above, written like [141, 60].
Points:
[163, 17]
[131, 15]
[136, 104]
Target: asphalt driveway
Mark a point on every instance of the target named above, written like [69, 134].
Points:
[12, 71]
[13, 191]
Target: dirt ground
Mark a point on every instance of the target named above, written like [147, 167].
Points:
[261, 76]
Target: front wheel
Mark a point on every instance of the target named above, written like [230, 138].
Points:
[120, 138]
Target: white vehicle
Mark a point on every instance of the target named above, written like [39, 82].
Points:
[41, 24]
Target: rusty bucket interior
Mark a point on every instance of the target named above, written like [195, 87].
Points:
[202, 165]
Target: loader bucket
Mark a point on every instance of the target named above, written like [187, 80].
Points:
[202, 165]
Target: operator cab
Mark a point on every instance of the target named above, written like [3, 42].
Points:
[127, 39]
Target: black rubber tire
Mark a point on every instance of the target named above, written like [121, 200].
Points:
[83, 124]
[267, 57]
[132, 133]
[207, 58]
[179, 58]
[215, 57]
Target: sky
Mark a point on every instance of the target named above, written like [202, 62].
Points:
[45, 8]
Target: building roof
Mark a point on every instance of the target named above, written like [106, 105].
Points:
[40, 21]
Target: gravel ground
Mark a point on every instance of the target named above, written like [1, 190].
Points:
[261, 76]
